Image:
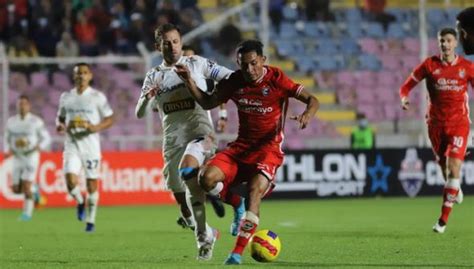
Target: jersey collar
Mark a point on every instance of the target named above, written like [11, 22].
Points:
[454, 62]
[164, 66]
[86, 90]
[260, 79]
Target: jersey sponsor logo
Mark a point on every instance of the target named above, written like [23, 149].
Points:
[443, 84]
[169, 89]
[411, 174]
[185, 104]
[250, 102]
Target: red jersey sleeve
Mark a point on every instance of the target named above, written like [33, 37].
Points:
[418, 74]
[290, 88]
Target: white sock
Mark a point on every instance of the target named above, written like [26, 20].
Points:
[453, 183]
[76, 194]
[217, 189]
[34, 189]
[92, 203]
[28, 206]
[197, 200]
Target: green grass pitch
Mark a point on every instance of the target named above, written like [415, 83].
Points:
[346, 233]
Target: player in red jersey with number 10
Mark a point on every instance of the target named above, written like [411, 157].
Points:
[447, 77]
[261, 94]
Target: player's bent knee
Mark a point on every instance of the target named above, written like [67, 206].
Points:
[208, 179]
[187, 173]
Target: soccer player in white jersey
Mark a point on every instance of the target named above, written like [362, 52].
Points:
[25, 137]
[83, 112]
[188, 135]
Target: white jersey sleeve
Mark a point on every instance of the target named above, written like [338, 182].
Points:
[148, 83]
[7, 137]
[104, 107]
[43, 135]
[210, 69]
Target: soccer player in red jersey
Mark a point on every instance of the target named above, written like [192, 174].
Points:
[465, 27]
[447, 77]
[261, 94]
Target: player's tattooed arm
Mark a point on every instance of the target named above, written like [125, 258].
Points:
[312, 106]
[206, 101]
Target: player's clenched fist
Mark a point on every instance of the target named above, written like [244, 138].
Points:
[182, 71]
[405, 103]
[303, 119]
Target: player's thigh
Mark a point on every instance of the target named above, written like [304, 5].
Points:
[72, 164]
[457, 137]
[438, 142]
[91, 165]
[25, 169]
[220, 168]
[197, 151]
[173, 180]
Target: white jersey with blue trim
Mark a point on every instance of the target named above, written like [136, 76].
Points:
[183, 119]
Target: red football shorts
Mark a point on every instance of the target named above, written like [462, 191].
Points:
[237, 172]
[449, 141]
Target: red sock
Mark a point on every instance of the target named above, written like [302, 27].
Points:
[247, 228]
[233, 199]
[449, 195]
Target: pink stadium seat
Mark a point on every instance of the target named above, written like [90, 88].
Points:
[39, 79]
[366, 78]
[412, 45]
[411, 62]
[365, 96]
[345, 78]
[62, 81]
[390, 62]
[370, 45]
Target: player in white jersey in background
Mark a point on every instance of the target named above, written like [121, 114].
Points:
[25, 137]
[83, 112]
[188, 132]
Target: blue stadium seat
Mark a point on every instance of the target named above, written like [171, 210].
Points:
[353, 15]
[395, 30]
[452, 13]
[436, 17]
[349, 46]
[369, 62]
[287, 47]
[326, 63]
[316, 29]
[327, 46]
[373, 29]
[354, 30]
[305, 64]
[290, 13]
[288, 30]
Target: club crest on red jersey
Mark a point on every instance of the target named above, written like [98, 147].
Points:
[437, 71]
[265, 91]
[462, 73]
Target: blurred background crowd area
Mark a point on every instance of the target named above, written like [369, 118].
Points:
[353, 55]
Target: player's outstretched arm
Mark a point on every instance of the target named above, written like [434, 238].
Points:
[312, 106]
[205, 100]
